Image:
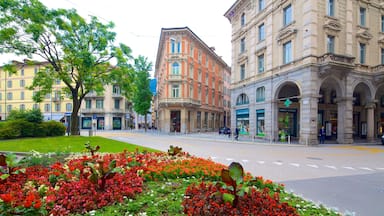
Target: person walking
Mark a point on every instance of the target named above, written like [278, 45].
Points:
[322, 135]
[237, 133]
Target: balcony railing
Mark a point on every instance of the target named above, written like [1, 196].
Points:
[336, 59]
[179, 102]
[174, 77]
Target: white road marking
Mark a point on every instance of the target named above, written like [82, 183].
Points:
[313, 165]
[366, 168]
[261, 162]
[380, 168]
[295, 164]
[229, 159]
[245, 161]
[331, 167]
[278, 163]
[350, 168]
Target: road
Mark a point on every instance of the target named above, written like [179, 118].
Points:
[347, 178]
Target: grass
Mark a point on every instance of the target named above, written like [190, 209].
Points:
[68, 144]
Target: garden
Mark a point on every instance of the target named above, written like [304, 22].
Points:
[139, 182]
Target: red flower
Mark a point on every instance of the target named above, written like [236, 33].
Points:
[7, 198]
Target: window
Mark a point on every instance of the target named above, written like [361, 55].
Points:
[68, 107]
[330, 8]
[117, 103]
[362, 53]
[1, 96]
[175, 46]
[175, 68]
[22, 107]
[242, 19]
[242, 71]
[57, 95]
[9, 84]
[175, 91]
[261, 32]
[9, 96]
[260, 63]
[47, 107]
[260, 94]
[35, 106]
[242, 45]
[22, 72]
[22, 83]
[58, 81]
[88, 104]
[287, 15]
[382, 23]
[57, 107]
[99, 104]
[287, 52]
[48, 96]
[362, 16]
[9, 108]
[116, 89]
[382, 57]
[36, 70]
[22, 95]
[261, 5]
[260, 123]
[242, 99]
[330, 44]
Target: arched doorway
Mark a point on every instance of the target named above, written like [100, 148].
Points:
[334, 108]
[363, 113]
[380, 110]
[288, 115]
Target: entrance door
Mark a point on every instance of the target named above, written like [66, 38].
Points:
[116, 123]
[175, 121]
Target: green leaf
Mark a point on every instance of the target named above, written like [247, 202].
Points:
[4, 176]
[112, 164]
[236, 172]
[228, 198]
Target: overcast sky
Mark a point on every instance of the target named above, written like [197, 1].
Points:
[138, 23]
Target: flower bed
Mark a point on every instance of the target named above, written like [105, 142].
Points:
[86, 183]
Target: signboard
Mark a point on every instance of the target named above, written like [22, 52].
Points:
[153, 85]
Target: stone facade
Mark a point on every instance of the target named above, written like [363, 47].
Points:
[298, 65]
[192, 84]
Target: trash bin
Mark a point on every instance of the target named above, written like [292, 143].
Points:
[90, 133]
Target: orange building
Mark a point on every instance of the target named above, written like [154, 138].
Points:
[192, 84]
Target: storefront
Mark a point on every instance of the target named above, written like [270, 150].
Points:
[242, 121]
[260, 123]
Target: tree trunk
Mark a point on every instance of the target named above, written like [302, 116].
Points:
[145, 122]
[75, 129]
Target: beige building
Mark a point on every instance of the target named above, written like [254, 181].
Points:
[192, 84]
[297, 65]
[109, 110]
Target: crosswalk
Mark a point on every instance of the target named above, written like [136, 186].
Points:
[298, 165]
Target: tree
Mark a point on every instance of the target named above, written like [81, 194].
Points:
[78, 52]
[143, 95]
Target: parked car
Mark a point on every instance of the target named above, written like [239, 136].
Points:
[224, 130]
[382, 139]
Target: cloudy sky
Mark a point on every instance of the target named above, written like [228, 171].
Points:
[138, 23]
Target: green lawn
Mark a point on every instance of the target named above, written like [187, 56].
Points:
[67, 144]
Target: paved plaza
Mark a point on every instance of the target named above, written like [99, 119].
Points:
[348, 178]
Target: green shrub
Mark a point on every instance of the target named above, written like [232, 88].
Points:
[34, 115]
[40, 130]
[26, 128]
[9, 131]
[54, 128]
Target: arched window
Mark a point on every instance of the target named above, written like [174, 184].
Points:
[242, 99]
[242, 19]
[260, 94]
[175, 68]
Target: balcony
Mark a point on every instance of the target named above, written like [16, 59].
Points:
[92, 110]
[93, 95]
[117, 95]
[334, 63]
[184, 102]
[174, 78]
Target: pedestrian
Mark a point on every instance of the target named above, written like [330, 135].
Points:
[322, 135]
[237, 133]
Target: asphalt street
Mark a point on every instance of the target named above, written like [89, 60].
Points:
[347, 178]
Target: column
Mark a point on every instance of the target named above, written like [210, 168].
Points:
[308, 120]
[370, 107]
[344, 120]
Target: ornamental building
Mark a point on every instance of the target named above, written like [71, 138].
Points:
[192, 84]
[298, 65]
